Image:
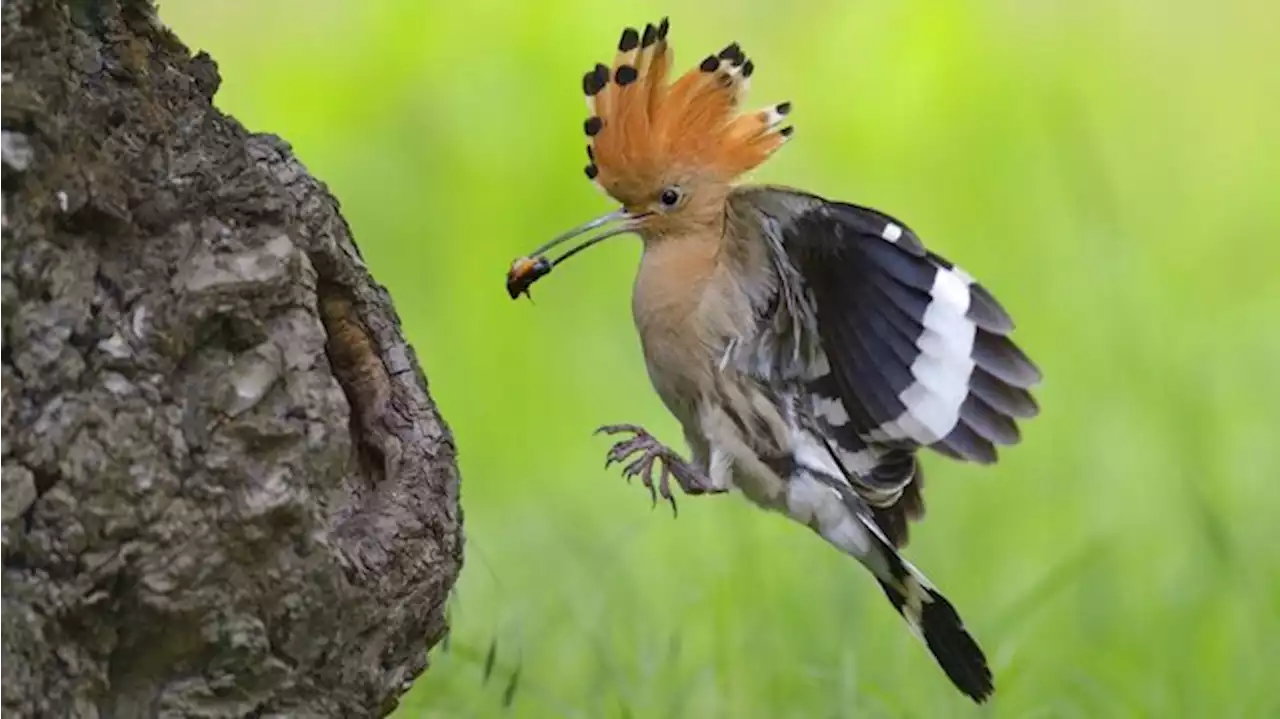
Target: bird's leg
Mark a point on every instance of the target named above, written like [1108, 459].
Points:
[691, 480]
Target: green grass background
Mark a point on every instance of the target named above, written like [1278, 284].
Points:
[1110, 169]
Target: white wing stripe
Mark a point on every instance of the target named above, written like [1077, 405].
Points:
[941, 371]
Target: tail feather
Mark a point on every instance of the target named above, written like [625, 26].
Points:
[928, 614]
[936, 622]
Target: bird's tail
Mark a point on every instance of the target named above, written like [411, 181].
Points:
[932, 618]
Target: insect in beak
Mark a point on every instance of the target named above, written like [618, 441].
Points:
[523, 273]
[534, 266]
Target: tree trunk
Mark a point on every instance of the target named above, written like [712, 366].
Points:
[226, 490]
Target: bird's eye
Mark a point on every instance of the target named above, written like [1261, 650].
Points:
[670, 197]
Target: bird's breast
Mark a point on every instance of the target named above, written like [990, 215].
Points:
[666, 304]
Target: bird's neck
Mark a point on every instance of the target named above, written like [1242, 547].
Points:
[674, 274]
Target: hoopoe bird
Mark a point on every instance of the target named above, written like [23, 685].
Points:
[808, 348]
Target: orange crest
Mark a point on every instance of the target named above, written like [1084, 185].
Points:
[642, 126]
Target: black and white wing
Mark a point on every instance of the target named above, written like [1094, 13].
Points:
[917, 353]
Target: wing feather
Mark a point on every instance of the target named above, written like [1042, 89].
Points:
[918, 352]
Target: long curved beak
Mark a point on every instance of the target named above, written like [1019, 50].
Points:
[529, 269]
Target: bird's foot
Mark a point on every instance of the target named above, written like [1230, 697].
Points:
[691, 480]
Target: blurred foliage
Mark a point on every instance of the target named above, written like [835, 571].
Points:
[1110, 170]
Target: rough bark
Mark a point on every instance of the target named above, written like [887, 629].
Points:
[226, 490]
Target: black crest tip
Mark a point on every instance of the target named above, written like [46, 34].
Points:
[710, 64]
[663, 28]
[629, 41]
[787, 131]
[731, 51]
[593, 82]
[592, 171]
[625, 75]
[593, 126]
[650, 35]
[748, 68]
[783, 108]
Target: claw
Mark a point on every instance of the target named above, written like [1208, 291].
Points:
[616, 454]
[633, 469]
[651, 451]
[664, 488]
[643, 468]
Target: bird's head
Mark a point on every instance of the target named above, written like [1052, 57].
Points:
[667, 151]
